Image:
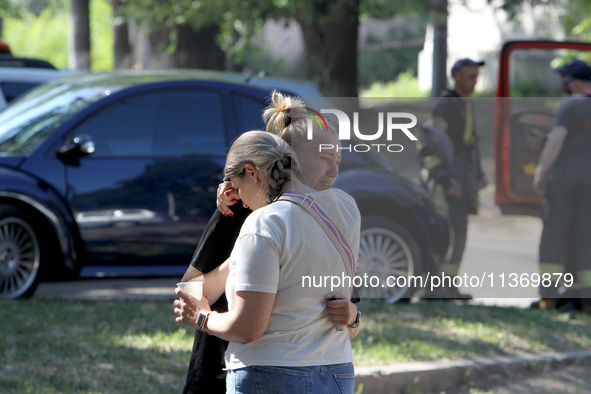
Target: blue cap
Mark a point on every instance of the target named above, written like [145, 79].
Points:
[574, 69]
[465, 62]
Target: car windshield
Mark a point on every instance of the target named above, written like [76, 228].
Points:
[30, 120]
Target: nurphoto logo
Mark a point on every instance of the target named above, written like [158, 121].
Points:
[394, 124]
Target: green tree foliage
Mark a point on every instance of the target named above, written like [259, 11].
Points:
[329, 28]
[101, 35]
[576, 20]
[512, 7]
[384, 65]
[42, 32]
[9, 8]
[238, 20]
[384, 9]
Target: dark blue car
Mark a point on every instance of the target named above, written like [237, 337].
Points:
[115, 175]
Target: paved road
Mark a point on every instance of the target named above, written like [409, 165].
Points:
[110, 289]
[500, 247]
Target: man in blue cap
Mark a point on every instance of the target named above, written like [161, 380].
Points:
[562, 177]
[566, 72]
[455, 183]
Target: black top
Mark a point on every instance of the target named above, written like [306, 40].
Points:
[466, 168]
[452, 108]
[206, 374]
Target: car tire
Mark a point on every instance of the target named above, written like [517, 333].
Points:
[20, 254]
[387, 250]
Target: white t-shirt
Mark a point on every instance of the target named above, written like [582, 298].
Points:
[278, 247]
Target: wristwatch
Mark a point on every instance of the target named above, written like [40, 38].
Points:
[201, 320]
[357, 321]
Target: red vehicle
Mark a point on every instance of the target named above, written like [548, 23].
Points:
[528, 94]
[4, 48]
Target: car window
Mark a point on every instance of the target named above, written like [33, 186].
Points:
[13, 90]
[249, 113]
[180, 122]
[30, 120]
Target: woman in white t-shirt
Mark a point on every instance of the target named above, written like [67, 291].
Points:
[287, 117]
[281, 339]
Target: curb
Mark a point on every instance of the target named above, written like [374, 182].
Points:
[434, 376]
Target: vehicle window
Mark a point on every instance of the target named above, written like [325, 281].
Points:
[249, 113]
[179, 122]
[13, 90]
[29, 121]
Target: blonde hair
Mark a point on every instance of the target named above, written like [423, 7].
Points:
[287, 118]
[270, 155]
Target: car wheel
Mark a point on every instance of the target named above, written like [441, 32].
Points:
[389, 253]
[20, 254]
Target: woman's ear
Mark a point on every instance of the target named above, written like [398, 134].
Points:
[252, 172]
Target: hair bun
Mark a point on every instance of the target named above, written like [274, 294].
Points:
[282, 112]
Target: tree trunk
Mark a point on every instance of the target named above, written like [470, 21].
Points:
[330, 31]
[195, 48]
[439, 21]
[199, 49]
[80, 35]
[122, 49]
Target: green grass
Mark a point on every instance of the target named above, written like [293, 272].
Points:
[60, 346]
[404, 86]
[56, 346]
[430, 331]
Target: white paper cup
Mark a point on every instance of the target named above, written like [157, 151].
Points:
[195, 288]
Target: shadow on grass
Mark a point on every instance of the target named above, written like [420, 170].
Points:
[78, 346]
[136, 347]
[434, 330]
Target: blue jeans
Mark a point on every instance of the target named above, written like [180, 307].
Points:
[322, 379]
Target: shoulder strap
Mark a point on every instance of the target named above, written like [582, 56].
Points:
[307, 203]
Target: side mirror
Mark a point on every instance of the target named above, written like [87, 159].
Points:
[80, 146]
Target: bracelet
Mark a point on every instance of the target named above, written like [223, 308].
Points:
[357, 321]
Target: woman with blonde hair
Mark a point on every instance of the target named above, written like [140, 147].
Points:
[281, 338]
[286, 117]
